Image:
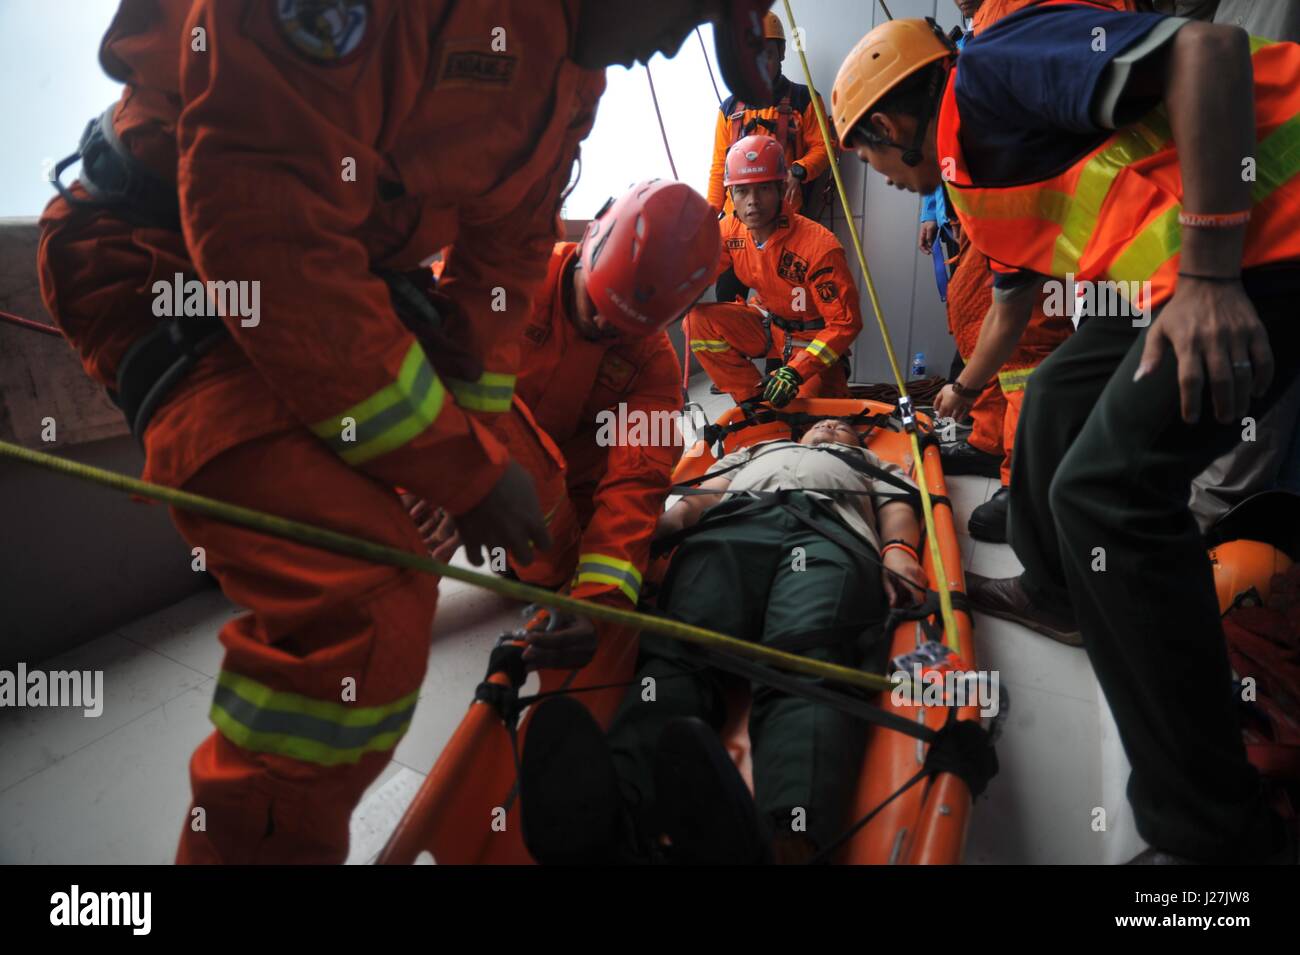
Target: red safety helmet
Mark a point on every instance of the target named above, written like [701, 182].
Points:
[754, 159]
[650, 255]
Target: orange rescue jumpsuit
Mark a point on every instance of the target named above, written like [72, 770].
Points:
[997, 410]
[800, 275]
[791, 121]
[612, 410]
[309, 146]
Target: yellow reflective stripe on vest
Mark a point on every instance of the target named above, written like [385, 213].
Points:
[492, 392]
[1081, 216]
[1014, 379]
[1051, 205]
[603, 569]
[823, 352]
[1277, 160]
[708, 344]
[258, 718]
[1149, 249]
[390, 417]
[1079, 212]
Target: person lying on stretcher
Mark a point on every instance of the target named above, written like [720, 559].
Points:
[795, 565]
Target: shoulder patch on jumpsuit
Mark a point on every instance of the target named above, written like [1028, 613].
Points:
[329, 32]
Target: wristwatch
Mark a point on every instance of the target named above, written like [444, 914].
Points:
[798, 171]
[963, 392]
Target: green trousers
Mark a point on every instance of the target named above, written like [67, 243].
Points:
[769, 578]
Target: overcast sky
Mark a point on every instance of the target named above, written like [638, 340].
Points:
[54, 85]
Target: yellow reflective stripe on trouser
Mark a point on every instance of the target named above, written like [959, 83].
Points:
[258, 718]
[708, 344]
[603, 569]
[1015, 379]
[823, 352]
[492, 392]
[390, 417]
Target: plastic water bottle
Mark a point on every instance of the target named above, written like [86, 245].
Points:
[918, 365]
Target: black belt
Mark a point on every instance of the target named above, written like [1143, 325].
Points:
[154, 364]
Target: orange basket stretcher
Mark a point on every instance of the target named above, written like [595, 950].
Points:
[467, 810]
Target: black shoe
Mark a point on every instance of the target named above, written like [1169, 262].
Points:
[961, 458]
[714, 390]
[703, 804]
[570, 805]
[988, 522]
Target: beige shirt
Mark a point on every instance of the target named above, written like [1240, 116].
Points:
[788, 465]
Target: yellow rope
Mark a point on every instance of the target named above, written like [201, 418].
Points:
[363, 549]
[951, 636]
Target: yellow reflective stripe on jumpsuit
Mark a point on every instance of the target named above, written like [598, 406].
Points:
[490, 392]
[256, 717]
[390, 417]
[822, 352]
[708, 344]
[604, 569]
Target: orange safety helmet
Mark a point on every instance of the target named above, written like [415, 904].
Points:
[772, 27]
[1244, 565]
[650, 255]
[754, 159]
[882, 60]
[1258, 538]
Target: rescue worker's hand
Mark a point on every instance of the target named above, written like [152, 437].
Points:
[949, 404]
[1212, 324]
[782, 387]
[902, 593]
[508, 517]
[792, 186]
[929, 232]
[436, 527]
[570, 645]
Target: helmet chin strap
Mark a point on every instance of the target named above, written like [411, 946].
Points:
[912, 154]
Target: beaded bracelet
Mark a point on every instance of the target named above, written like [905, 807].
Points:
[1214, 220]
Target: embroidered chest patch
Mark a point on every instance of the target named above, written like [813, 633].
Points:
[470, 67]
[616, 373]
[793, 267]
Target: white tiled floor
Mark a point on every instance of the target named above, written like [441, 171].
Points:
[115, 789]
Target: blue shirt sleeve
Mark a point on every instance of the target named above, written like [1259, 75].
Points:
[1039, 67]
[928, 213]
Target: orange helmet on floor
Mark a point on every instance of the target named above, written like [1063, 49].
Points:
[882, 60]
[772, 27]
[1258, 538]
[650, 255]
[1243, 565]
[754, 159]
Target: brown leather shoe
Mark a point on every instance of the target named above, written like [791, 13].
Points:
[1004, 597]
